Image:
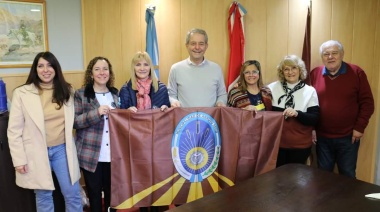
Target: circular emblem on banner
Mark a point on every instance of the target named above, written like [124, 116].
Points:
[196, 146]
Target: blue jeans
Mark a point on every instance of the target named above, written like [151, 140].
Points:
[71, 193]
[340, 151]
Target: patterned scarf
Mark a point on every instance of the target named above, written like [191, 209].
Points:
[289, 94]
[143, 90]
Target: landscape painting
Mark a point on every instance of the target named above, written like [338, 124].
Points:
[23, 32]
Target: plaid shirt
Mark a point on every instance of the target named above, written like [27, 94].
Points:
[89, 126]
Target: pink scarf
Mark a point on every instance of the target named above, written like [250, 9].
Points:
[143, 90]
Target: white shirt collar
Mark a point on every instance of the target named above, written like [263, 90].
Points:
[193, 64]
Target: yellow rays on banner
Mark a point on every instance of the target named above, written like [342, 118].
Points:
[130, 202]
[225, 179]
[214, 184]
[166, 198]
[195, 191]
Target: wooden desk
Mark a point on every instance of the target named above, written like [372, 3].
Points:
[293, 187]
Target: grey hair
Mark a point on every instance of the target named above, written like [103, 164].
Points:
[196, 31]
[330, 43]
[291, 60]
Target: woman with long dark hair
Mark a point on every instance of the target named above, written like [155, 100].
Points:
[40, 135]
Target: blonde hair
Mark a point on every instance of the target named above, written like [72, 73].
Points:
[137, 58]
[291, 60]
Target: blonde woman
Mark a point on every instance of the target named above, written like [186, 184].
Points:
[143, 91]
[299, 104]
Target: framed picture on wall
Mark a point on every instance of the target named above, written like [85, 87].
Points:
[23, 32]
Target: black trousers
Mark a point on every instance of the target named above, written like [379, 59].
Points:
[286, 156]
[97, 182]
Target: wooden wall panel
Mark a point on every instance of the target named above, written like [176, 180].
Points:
[12, 81]
[191, 17]
[131, 27]
[214, 21]
[102, 27]
[75, 78]
[343, 13]
[111, 42]
[362, 48]
[88, 26]
[374, 128]
[168, 22]
[362, 51]
[256, 33]
[277, 35]
[369, 61]
[320, 28]
[297, 22]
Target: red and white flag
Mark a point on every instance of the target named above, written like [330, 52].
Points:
[236, 35]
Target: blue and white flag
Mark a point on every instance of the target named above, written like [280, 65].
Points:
[151, 38]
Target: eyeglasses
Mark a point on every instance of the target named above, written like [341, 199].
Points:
[288, 69]
[254, 72]
[328, 54]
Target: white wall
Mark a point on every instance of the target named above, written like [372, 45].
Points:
[65, 32]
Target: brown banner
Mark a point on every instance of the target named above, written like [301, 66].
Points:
[182, 154]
